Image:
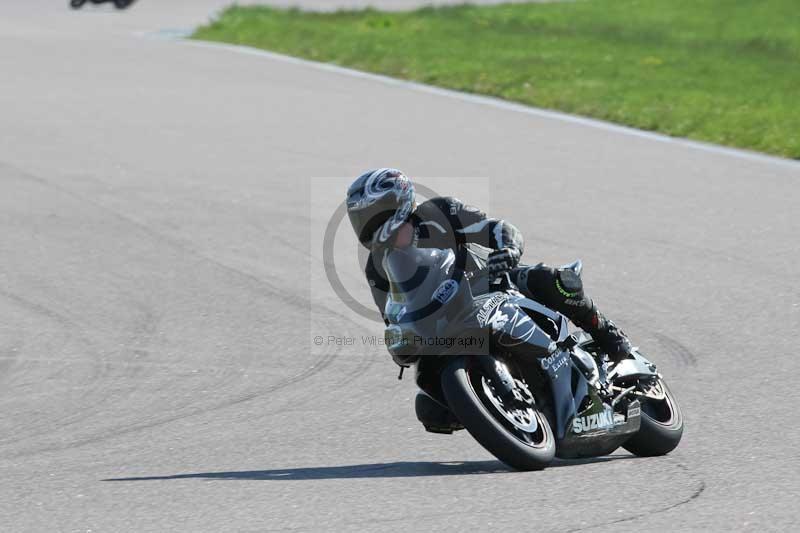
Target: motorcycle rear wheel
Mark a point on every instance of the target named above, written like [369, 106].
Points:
[661, 426]
[467, 395]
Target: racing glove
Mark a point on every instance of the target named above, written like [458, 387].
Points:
[503, 260]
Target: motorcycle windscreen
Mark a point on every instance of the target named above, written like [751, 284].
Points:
[418, 279]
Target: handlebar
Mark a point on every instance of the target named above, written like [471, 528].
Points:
[500, 279]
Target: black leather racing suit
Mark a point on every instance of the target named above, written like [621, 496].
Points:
[445, 222]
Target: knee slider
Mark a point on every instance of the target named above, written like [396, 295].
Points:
[569, 284]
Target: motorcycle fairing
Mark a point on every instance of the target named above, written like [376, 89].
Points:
[419, 304]
[637, 367]
[573, 396]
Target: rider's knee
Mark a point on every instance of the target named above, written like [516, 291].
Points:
[551, 286]
[569, 284]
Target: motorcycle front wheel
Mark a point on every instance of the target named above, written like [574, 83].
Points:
[515, 431]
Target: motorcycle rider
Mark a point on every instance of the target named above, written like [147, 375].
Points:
[382, 209]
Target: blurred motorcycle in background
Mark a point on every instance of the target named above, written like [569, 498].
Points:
[119, 4]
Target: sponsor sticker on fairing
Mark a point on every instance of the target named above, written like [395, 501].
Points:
[445, 292]
[603, 420]
[555, 361]
[490, 305]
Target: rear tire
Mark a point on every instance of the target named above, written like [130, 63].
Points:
[661, 426]
[489, 428]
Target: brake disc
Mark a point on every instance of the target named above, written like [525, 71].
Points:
[520, 416]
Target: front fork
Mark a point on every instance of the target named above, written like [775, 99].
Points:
[510, 390]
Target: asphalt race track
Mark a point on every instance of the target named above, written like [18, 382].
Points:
[159, 234]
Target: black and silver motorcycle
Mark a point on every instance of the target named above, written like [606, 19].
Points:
[508, 370]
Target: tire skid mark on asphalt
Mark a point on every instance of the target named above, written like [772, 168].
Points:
[74, 329]
[7, 362]
[301, 376]
[96, 403]
[700, 487]
[696, 492]
[366, 363]
[270, 289]
[310, 371]
[153, 364]
[71, 330]
[485, 468]
[307, 373]
[676, 350]
[366, 359]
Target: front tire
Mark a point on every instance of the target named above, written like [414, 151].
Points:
[465, 388]
[661, 426]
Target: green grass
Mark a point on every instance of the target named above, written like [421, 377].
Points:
[724, 71]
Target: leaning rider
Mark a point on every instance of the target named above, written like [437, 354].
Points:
[382, 209]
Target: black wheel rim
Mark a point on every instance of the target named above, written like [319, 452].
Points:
[525, 423]
[661, 411]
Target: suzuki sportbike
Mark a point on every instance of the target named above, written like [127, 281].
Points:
[507, 368]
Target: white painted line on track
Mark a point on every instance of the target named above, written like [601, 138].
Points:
[181, 36]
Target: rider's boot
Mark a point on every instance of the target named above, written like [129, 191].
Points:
[609, 337]
[562, 290]
[435, 417]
